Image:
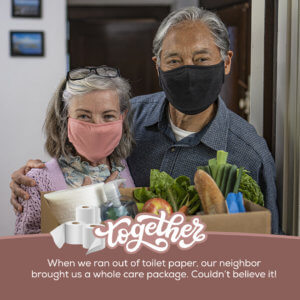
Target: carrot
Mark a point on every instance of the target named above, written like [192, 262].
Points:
[184, 209]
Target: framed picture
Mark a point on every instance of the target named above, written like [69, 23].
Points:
[26, 43]
[26, 8]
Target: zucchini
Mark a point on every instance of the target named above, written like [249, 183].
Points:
[225, 178]
[213, 166]
[231, 180]
[207, 170]
[238, 180]
[220, 174]
[222, 157]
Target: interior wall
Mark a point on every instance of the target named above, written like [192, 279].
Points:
[27, 84]
[119, 2]
[175, 4]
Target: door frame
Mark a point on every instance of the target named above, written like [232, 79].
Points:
[288, 113]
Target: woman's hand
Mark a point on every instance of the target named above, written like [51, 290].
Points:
[18, 178]
[112, 177]
[87, 180]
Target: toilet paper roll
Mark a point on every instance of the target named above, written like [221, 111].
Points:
[85, 214]
[78, 233]
[59, 235]
[88, 214]
[88, 235]
[73, 232]
[97, 215]
[97, 245]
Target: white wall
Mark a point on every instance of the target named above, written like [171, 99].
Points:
[27, 85]
[120, 2]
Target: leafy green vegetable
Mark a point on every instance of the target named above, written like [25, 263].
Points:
[159, 182]
[193, 201]
[229, 178]
[142, 195]
[177, 192]
[184, 181]
[195, 208]
[250, 189]
[171, 199]
[192, 191]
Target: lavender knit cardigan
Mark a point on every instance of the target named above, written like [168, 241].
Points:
[48, 179]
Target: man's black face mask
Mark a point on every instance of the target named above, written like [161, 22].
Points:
[192, 89]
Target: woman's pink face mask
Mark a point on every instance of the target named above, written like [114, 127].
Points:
[95, 124]
[94, 141]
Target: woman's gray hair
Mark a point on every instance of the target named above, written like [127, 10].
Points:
[56, 123]
[210, 19]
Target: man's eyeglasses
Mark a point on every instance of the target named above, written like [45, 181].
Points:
[102, 71]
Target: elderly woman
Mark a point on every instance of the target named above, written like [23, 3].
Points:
[88, 136]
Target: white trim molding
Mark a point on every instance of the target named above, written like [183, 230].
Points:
[288, 113]
[256, 116]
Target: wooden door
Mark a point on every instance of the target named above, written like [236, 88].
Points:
[117, 36]
[236, 14]
[237, 18]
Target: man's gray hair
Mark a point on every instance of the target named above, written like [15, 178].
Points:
[210, 19]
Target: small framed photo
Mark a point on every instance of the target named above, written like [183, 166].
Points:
[27, 43]
[26, 8]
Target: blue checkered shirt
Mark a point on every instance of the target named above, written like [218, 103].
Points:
[157, 148]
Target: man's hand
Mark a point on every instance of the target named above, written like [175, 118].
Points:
[18, 178]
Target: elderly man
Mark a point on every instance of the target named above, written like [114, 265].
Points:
[185, 125]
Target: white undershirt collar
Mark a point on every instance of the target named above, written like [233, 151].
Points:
[178, 132]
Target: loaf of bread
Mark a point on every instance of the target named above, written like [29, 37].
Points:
[212, 199]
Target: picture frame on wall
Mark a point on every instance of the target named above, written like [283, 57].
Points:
[26, 8]
[27, 43]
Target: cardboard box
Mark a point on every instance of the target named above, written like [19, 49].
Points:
[48, 221]
[256, 219]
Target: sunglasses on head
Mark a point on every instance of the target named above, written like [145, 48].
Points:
[101, 71]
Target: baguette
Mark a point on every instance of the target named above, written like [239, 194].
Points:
[212, 199]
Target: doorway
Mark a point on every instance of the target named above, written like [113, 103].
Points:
[122, 36]
[119, 36]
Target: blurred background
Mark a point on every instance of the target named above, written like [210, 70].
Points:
[65, 34]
